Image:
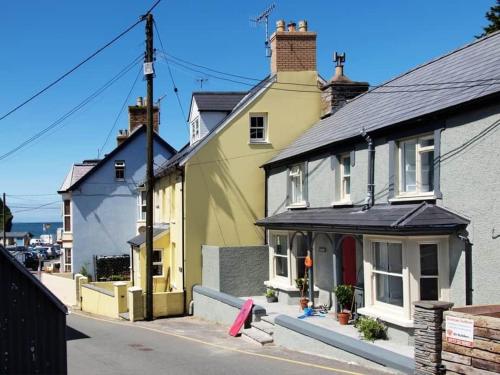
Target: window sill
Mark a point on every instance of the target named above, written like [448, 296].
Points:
[259, 143]
[342, 203]
[297, 206]
[386, 316]
[409, 198]
[281, 285]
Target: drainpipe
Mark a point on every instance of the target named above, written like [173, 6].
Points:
[370, 196]
[183, 260]
[265, 203]
[468, 268]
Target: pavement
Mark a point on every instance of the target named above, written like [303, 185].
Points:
[184, 345]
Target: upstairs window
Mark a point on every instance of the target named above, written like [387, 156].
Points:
[258, 128]
[67, 215]
[345, 178]
[416, 161]
[195, 130]
[142, 206]
[119, 170]
[297, 184]
[157, 262]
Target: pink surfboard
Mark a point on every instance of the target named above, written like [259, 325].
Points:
[242, 317]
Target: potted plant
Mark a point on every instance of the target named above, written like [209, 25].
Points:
[301, 284]
[271, 296]
[344, 294]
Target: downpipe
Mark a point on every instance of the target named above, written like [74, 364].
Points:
[370, 194]
[468, 267]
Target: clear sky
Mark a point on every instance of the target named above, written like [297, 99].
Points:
[42, 39]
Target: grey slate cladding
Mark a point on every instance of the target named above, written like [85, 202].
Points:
[466, 74]
[217, 101]
[422, 217]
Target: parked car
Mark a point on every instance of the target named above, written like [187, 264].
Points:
[43, 252]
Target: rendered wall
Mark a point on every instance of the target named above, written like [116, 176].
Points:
[105, 210]
[224, 191]
[238, 271]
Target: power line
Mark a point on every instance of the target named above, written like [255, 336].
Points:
[176, 91]
[120, 111]
[73, 110]
[38, 207]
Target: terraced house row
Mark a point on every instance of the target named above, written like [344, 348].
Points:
[392, 189]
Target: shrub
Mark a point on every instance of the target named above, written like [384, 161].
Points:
[270, 293]
[371, 329]
[344, 294]
[301, 284]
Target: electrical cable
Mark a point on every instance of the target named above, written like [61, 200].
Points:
[73, 110]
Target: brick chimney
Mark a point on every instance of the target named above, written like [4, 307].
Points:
[137, 116]
[292, 50]
[340, 89]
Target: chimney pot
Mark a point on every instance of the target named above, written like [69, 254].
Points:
[139, 101]
[302, 25]
[291, 26]
[280, 25]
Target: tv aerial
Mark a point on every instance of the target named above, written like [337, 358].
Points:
[263, 18]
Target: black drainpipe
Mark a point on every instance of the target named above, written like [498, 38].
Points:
[468, 268]
[370, 196]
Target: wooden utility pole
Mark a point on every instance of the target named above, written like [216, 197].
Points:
[149, 73]
[3, 220]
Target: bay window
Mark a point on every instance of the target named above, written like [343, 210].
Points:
[142, 205]
[388, 270]
[345, 177]
[416, 166]
[67, 215]
[297, 185]
[280, 255]
[429, 275]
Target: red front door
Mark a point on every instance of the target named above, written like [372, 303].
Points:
[349, 261]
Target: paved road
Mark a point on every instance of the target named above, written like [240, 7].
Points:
[103, 347]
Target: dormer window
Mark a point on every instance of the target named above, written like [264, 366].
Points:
[258, 128]
[416, 166]
[195, 130]
[119, 170]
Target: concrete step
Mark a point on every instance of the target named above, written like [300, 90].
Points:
[124, 315]
[268, 319]
[256, 335]
[264, 326]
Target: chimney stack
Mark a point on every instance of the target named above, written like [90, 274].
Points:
[340, 89]
[292, 50]
[137, 116]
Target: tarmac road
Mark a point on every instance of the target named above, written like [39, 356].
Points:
[182, 346]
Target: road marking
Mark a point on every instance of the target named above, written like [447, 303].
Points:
[267, 356]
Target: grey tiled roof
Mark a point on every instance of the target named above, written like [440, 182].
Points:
[455, 78]
[76, 172]
[141, 238]
[217, 100]
[413, 218]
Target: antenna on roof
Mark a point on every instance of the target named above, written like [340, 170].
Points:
[201, 81]
[263, 18]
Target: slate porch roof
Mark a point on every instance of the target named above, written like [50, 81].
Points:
[459, 77]
[389, 219]
[141, 238]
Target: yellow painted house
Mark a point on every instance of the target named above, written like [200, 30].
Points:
[213, 191]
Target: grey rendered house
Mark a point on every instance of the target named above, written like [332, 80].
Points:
[102, 199]
[396, 191]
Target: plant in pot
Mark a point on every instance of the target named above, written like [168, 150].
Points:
[344, 294]
[301, 284]
[271, 296]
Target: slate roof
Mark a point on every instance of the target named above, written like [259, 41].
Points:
[217, 100]
[69, 184]
[18, 234]
[406, 218]
[141, 238]
[77, 171]
[466, 74]
[7, 257]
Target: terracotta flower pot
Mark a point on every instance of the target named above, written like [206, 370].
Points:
[343, 318]
[303, 303]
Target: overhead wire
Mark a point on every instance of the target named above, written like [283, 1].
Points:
[75, 109]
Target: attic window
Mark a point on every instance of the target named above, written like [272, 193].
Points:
[258, 128]
[195, 130]
[119, 170]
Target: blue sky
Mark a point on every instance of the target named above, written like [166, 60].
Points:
[41, 40]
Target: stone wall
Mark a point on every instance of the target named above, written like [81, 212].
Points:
[484, 357]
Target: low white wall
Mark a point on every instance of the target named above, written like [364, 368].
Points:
[62, 287]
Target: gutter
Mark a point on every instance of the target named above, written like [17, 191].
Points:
[370, 194]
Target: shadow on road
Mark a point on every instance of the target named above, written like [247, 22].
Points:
[73, 334]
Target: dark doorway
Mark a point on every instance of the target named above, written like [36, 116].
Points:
[349, 261]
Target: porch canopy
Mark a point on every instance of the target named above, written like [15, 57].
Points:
[407, 219]
[140, 239]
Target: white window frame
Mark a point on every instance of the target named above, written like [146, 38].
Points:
[264, 138]
[195, 130]
[67, 215]
[68, 265]
[119, 166]
[273, 256]
[297, 171]
[419, 150]
[344, 197]
[160, 263]
[403, 316]
[140, 204]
